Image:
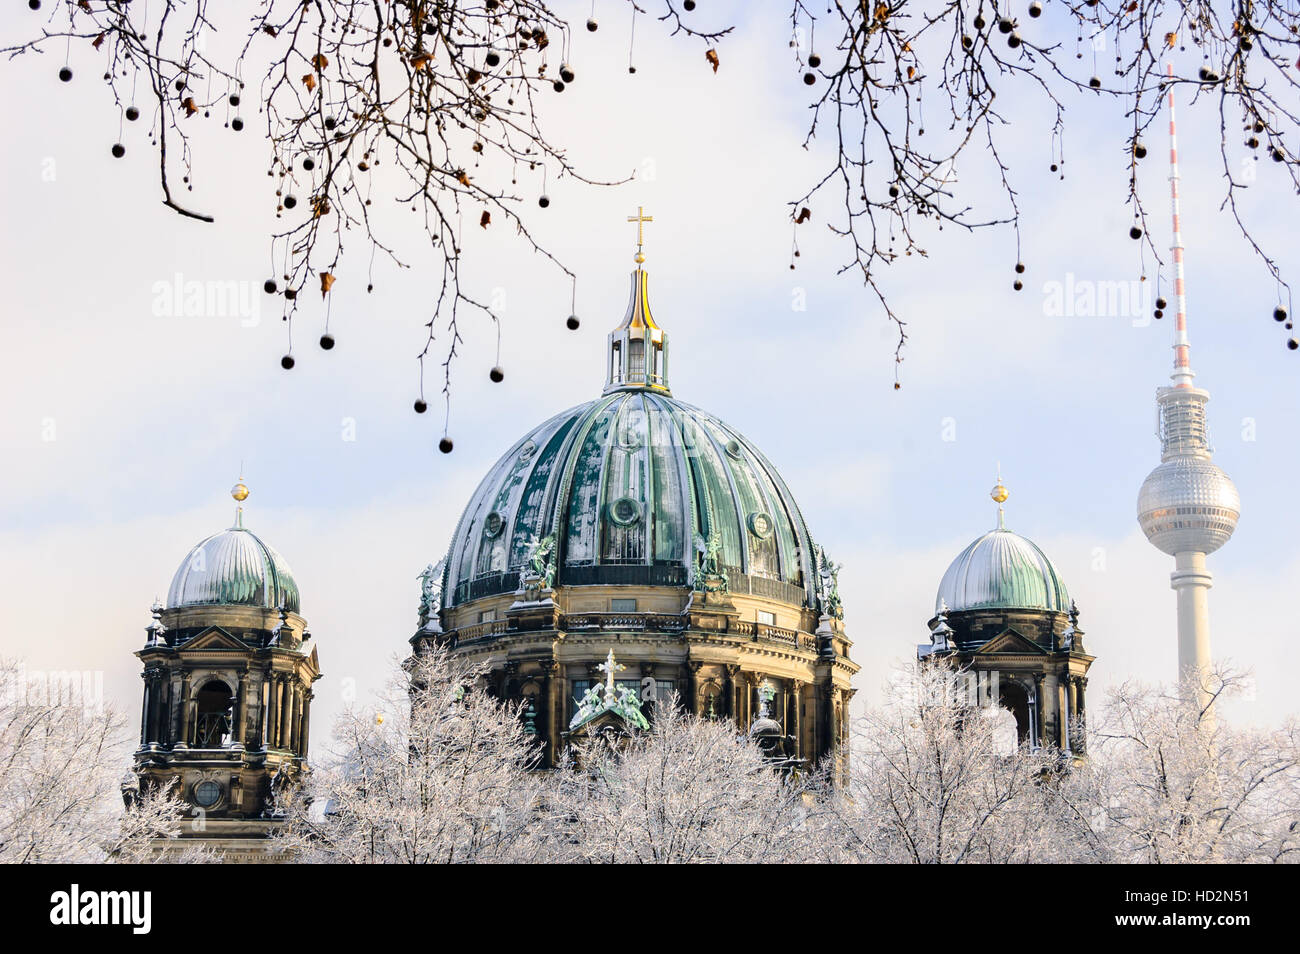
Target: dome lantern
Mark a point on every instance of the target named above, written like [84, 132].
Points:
[637, 355]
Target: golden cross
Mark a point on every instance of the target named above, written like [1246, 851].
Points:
[640, 219]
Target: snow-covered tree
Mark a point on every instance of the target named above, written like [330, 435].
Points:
[1171, 781]
[62, 760]
[932, 780]
[435, 771]
[688, 790]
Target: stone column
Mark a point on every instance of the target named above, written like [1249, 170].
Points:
[183, 712]
[729, 691]
[306, 722]
[1040, 729]
[286, 713]
[144, 710]
[237, 730]
[271, 721]
[797, 691]
[691, 695]
[297, 719]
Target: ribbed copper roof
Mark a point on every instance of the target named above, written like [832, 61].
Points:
[1002, 570]
[234, 567]
[633, 480]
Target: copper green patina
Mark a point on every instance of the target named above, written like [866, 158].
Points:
[234, 567]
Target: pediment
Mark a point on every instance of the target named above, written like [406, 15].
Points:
[214, 637]
[1013, 643]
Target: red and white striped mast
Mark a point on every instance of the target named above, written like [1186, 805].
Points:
[1183, 374]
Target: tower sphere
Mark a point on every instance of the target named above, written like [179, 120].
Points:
[1188, 504]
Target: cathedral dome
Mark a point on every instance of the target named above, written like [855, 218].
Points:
[234, 568]
[632, 486]
[1002, 570]
[630, 489]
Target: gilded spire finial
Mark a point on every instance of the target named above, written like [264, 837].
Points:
[640, 219]
[999, 493]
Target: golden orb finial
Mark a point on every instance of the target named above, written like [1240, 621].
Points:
[999, 493]
[240, 491]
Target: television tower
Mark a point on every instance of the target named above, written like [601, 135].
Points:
[1188, 507]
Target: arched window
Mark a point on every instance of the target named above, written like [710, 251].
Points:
[216, 705]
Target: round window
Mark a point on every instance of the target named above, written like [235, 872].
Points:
[528, 450]
[625, 511]
[761, 525]
[733, 449]
[207, 793]
[493, 524]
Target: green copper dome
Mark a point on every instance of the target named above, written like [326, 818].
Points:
[234, 568]
[632, 486]
[1002, 570]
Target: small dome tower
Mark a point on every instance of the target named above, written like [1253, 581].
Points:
[228, 674]
[1003, 614]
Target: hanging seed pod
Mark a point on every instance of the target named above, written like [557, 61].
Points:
[592, 25]
[33, 4]
[1140, 150]
[234, 99]
[420, 406]
[326, 342]
[572, 322]
[1159, 313]
[893, 191]
[1259, 126]
[1013, 40]
[1053, 167]
[558, 86]
[290, 201]
[1135, 233]
[1161, 303]
[1253, 142]
[65, 74]
[1017, 284]
[814, 60]
[269, 286]
[566, 72]
[1020, 268]
[809, 79]
[236, 124]
[1279, 313]
[309, 163]
[1035, 9]
[444, 445]
[330, 122]
[1293, 344]
[118, 150]
[1246, 43]
[132, 114]
[287, 362]
[688, 5]
[497, 375]
[492, 59]
[544, 200]
[1277, 154]
[290, 293]
[967, 43]
[1006, 25]
[978, 23]
[1095, 82]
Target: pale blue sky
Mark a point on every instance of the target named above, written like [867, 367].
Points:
[152, 414]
